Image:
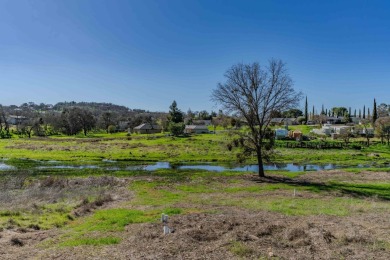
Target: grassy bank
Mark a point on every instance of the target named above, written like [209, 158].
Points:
[158, 147]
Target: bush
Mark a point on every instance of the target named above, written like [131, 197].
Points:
[111, 129]
[176, 129]
[356, 147]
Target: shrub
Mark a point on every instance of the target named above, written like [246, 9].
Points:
[111, 129]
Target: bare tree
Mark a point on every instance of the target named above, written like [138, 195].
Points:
[346, 135]
[365, 124]
[383, 110]
[383, 128]
[253, 92]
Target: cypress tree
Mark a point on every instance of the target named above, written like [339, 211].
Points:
[312, 117]
[364, 111]
[306, 112]
[354, 114]
[374, 113]
[368, 113]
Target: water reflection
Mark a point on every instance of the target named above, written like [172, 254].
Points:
[148, 166]
[4, 166]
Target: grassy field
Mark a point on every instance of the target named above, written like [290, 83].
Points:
[92, 213]
[159, 147]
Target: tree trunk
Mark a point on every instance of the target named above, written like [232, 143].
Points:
[260, 163]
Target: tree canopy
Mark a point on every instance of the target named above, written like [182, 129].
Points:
[252, 92]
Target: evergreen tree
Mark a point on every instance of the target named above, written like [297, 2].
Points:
[312, 114]
[176, 125]
[374, 113]
[368, 113]
[354, 114]
[360, 113]
[364, 111]
[175, 115]
[306, 112]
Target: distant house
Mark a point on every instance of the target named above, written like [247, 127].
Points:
[277, 121]
[342, 129]
[16, 120]
[201, 122]
[333, 120]
[147, 129]
[196, 129]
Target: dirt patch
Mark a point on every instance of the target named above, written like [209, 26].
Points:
[229, 232]
[22, 245]
[237, 234]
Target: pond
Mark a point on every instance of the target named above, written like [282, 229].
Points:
[111, 165]
[250, 168]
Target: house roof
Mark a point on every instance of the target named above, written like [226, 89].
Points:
[147, 126]
[277, 120]
[202, 127]
[282, 119]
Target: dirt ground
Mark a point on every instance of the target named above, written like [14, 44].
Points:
[231, 233]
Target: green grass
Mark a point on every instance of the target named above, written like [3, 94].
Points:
[43, 217]
[240, 249]
[109, 221]
[113, 220]
[158, 147]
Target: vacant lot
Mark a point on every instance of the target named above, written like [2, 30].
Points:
[72, 214]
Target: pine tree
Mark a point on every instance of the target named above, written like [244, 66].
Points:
[175, 115]
[374, 113]
[176, 125]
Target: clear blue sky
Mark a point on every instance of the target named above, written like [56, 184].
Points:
[144, 54]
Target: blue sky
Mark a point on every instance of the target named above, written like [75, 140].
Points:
[145, 54]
